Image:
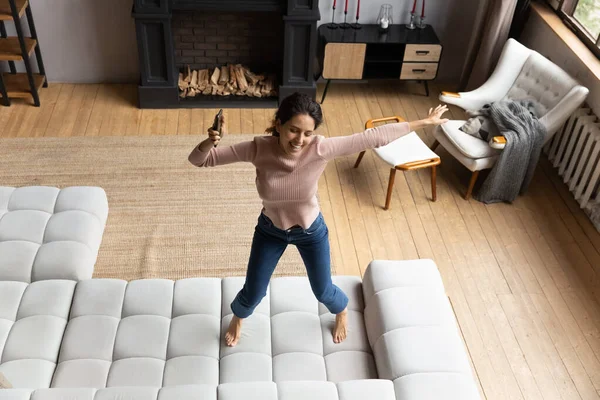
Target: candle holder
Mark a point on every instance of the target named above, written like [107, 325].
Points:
[356, 25]
[345, 25]
[422, 25]
[411, 24]
[332, 24]
[384, 20]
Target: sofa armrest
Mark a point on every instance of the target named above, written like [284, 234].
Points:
[412, 331]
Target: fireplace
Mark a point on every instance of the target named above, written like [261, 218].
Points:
[272, 38]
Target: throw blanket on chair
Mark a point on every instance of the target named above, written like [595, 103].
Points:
[516, 164]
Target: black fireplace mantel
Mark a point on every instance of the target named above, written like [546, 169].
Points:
[159, 73]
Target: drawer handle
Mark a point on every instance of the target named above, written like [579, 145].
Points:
[422, 52]
[418, 71]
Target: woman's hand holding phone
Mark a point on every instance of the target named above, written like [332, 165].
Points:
[216, 132]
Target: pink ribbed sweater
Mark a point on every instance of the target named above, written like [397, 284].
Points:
[287, 184]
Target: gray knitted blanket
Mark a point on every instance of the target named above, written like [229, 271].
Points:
[516, 164]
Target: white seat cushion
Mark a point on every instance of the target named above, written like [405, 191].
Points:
[407, 149]
[473, 164]
[33, 318]
[468, 145]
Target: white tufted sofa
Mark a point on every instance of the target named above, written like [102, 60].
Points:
[520, 73]
[81, 339]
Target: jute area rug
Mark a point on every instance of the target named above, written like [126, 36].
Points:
[167, 218]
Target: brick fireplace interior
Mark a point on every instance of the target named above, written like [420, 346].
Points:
[209, 39]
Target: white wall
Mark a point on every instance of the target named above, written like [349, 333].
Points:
[94, 40]
[86, 40]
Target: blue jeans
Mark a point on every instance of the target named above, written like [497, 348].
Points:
[268, 245]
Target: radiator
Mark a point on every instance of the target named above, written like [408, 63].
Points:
[574, 151]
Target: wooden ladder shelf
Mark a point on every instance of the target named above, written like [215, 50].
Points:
[20, 48]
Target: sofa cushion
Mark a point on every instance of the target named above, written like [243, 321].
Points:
[33, 318]
[436, 385]
[50, 233]
[150, 333]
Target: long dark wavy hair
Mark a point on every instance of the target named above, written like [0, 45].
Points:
[296, 104]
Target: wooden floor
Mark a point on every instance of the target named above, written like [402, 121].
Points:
[522, 278]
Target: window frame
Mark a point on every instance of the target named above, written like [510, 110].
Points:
[565, 9]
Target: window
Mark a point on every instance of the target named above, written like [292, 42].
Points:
[583, 17]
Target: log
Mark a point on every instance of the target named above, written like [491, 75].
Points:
[215, 76]
[202, 79]
[181, 83]
[224, 78]
[232, 76]
[267, 87]
[241, 79]
[194, 82]
[188, 75]
[251, 77]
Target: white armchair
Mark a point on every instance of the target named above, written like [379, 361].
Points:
[520, 73]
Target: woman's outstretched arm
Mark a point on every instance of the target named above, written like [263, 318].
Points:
[207, 154]
[376, 137]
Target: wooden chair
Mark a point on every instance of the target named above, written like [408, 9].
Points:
[406, 154]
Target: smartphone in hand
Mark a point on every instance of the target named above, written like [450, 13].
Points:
[217, 123]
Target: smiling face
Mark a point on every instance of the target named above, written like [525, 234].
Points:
[296, 133]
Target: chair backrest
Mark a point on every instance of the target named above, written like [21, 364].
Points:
[543, 81]
[522, 73]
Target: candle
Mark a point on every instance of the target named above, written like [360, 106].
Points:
[357, 9]
[384, 23]
[423, 9]
[334, 4]
[414, 7]
[346, 8]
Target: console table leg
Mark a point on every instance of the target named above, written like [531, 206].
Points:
[325, 91]
[426, 88]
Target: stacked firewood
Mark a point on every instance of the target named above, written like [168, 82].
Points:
[226, 81]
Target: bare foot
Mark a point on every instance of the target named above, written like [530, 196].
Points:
[234, 332]
[340, 331]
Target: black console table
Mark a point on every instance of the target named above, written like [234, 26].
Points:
[366, 53]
